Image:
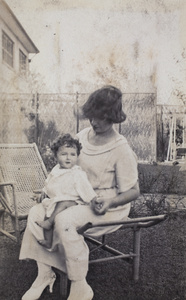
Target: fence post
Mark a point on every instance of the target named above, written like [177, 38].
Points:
[155, 125]
[77, 113]
[37, 118]
[162, 136]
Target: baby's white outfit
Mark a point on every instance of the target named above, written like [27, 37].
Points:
[66, 185]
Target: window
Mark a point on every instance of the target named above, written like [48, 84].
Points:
[22, 62]
[7, 49]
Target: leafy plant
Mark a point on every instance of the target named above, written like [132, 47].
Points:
[43, 135]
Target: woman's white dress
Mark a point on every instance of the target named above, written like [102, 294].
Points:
[111, 169]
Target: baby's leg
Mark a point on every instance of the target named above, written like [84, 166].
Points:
[48, 223]
[47, 242]
[60, 206]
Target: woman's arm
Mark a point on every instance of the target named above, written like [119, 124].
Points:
[101, 205]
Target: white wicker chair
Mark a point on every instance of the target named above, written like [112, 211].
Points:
[21, 172]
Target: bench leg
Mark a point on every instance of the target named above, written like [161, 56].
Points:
[136, 251]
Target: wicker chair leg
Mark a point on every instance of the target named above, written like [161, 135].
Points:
[15, 223]
[2, 219]
[64, 285]
[136, 250]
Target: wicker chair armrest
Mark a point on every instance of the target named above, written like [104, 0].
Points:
[7, 183]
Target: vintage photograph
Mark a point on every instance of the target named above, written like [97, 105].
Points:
[93, 150]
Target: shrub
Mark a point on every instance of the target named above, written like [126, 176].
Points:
[162, 178]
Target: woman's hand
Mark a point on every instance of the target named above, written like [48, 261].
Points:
[38, 196]
[100, 205]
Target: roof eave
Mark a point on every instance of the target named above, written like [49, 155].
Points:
[15, 26]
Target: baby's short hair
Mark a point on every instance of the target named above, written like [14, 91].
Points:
[68, 141]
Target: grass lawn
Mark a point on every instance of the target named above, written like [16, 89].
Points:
[163, 251]
[162, 267]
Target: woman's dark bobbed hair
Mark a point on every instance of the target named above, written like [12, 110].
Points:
[105, 103]
[66, 140]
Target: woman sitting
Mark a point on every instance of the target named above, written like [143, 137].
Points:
[111, 167]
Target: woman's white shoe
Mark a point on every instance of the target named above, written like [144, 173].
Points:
[36, 289]
[80, 290]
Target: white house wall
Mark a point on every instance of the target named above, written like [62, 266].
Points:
[10, 78]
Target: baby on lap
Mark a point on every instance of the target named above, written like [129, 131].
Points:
[66, 185]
